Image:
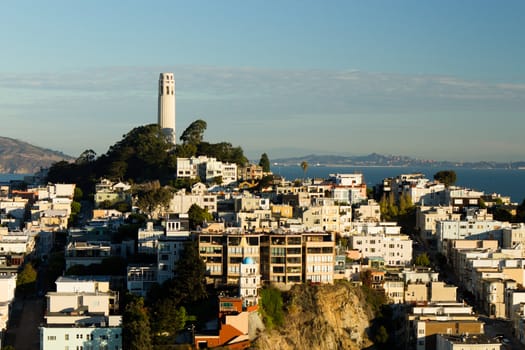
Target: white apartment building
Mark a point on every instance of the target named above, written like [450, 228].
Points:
[427, 216]
[207, 169]
[148, 238]
[182, 202]
[79, 316]
[186, 168]
[140, 278]
[7, 287]
[17, 242]
[87, 253]
[369, 212]
[326, 215]
[475, 229]
[375, 228]
[13, 206]
[171, 245]
[249, 282]
[459, 198]
[346, 179]
[396, 250]
[424, 192]
[54, 191]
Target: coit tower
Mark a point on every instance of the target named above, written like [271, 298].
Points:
[167, 105]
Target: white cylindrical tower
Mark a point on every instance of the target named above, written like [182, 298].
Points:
[167, 105]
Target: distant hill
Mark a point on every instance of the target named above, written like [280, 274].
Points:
[18, 157]
[375, 159]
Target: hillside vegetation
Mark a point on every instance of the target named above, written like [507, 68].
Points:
[321, 317]
[18, 157]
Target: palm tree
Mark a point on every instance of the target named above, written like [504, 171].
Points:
[304, 166]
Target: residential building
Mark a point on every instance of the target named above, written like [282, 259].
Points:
[466, 342]
[427, 216]
[426, 322]
[81, 314]
[467, 229]
[140, 278]
[396, 250]
[108, 193]
[182, 202]
[369, 212]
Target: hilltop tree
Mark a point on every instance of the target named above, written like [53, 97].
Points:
[143, 154]
[446, 177]
[264, 162]
[223, 151]
[194, 133]
[88, 156]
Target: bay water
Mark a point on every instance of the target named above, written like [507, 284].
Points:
[507, 182]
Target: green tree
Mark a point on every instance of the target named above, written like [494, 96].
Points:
[381, 337]
[150, 200]
[79, 194]
[194, 133]
[143, 154]
[26, 280]
[272, 307]
[198, 216]
[88, 156]
[186, 150]
[168, 319]
[502, 214]
[189, 281]
[446, 177]
[223, 151]
[405, 204]
[264, 162]
[422, 260]
[136, 326]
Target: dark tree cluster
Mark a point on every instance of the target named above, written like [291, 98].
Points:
[144, 154]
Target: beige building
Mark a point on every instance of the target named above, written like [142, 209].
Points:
[416, 293]
[394, 290]
[369, 212]
[426, 218]
[318, 257]
[425, 322]
[514, 236]
[441, 292]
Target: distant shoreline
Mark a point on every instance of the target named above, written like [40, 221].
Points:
[394, 166]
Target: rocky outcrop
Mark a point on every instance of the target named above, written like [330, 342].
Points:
[18, 157]
[321, 317]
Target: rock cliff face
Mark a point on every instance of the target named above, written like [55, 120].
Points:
[321, 317]
[18, 157]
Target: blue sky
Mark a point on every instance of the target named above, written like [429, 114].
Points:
[428, 79]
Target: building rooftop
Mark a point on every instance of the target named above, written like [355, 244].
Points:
[470, 339]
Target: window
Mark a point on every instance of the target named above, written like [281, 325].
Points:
[66, 336]
[51, 337]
